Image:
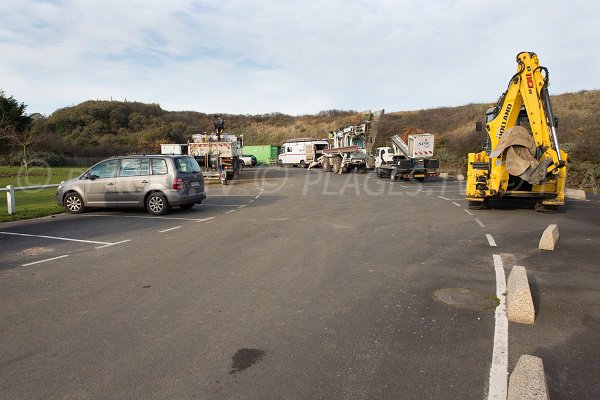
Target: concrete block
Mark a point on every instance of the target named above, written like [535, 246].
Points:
[519, 303]
[549, 238]
[444, 175]
[460, 177]
[576, 194]
[528, 381]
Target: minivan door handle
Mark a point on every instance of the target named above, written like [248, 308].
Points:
[145, 181]
[110, 184]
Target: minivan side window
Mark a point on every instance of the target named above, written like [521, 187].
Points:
[134, 167]
[159, 166]
[106, 169]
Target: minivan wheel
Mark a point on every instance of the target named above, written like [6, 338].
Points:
[73, 203]
[157, 204]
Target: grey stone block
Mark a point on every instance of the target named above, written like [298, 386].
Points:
[528, 381]
[549, 238]
[519, 303]
[576, 194]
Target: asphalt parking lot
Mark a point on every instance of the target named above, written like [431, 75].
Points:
[296, 284]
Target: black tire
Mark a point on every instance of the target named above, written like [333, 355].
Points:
[302, 164]
[73, 203]
[157, 204]
[325, 164]
[280, 163]
[187, 206]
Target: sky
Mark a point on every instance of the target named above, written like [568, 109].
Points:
[293, 57]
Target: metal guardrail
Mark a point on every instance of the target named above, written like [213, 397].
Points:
[10, 194]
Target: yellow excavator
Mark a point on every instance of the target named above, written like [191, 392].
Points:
[521, 157]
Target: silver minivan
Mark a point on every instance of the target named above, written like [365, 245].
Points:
[155, 182]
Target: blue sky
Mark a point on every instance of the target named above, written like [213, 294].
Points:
[243, 57]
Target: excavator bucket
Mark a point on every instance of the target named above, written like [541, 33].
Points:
[519, 148]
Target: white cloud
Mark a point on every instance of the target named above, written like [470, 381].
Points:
[294, 57]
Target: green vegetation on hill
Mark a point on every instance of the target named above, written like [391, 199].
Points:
[104, 128]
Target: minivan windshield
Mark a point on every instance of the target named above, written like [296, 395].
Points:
[187, 165]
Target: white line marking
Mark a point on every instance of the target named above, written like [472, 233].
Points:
[442, 197]
[113, 244]
[242, 206]
[222, 205]
[46, 260]
[479, 222]
[456, 204]
[54, 238]
[231, 195]
[491, 240]
[170, 229]
[230, 211]
[204, 219]
[144, 217]
[251, 201]
[257, 196]
[469, 212]
[499, 370]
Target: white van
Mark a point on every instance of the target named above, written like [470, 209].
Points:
[301, 152]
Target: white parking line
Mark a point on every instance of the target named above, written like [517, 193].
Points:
[479, 222]
[170, 229]
[442, 197]
[469, 212]
[222, 205]
[242, 206]
[55, 238]
[491, 240]
[146, 217]
[230, 211]
[498, 386]
[46, 260]
[113, 244]
[456, 204]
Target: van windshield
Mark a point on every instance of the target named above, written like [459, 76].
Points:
[187, 165]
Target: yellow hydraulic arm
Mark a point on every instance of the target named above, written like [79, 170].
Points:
[523, 157]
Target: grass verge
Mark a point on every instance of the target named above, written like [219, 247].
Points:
[33, 203]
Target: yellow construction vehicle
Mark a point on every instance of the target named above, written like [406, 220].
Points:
[522, 157]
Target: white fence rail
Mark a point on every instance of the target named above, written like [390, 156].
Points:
[10, 194]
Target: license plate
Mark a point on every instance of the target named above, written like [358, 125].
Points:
[195, 184]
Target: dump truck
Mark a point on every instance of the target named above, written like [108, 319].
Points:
[407, 160]
[217, 154]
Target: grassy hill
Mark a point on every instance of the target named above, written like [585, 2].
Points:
[103, 128]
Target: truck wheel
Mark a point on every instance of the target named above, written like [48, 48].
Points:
[325, 164]
[302, 164]
[280, 163]
[337, 165]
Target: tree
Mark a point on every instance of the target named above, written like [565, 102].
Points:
[15, 126]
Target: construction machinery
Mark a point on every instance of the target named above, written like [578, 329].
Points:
[522, 156]
[407, 160]
[351, 147]
[217, 154]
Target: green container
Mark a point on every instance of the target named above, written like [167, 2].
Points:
[263, 153]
